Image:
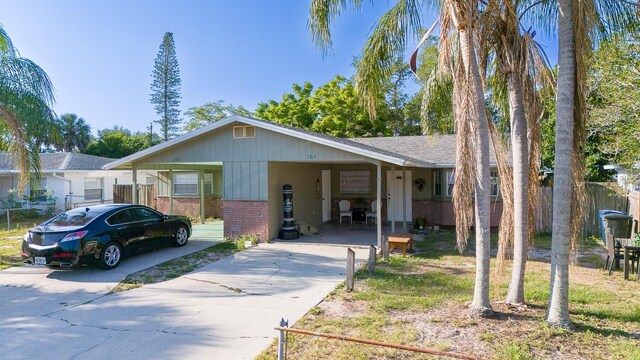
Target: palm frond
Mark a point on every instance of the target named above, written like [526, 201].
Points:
[322, 13]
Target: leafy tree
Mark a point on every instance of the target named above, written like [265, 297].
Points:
[207, 114]
[165, 88]
[25, 98]
[295, 109]
[614, 103]
[76, 133]
[119, 142]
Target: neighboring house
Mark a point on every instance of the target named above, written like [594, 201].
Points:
[242, 164]
[73, 179]
[624, 178]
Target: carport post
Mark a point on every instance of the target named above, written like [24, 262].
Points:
[395, 201]
[170, 191]
[134, 187]
[404, 199]
[201, 175]
[379, 203]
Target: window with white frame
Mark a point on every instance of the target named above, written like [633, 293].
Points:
[93, 189]
[494, 183]
[437, 183]
[451, 177]
[355, 182]
[185, 183]
[38, 191]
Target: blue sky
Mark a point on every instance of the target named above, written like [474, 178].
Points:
[99, 54]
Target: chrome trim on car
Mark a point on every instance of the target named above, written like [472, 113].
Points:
[43, 247]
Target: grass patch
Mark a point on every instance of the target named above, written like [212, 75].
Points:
[10, 247]
[177, 267]
[422, 300]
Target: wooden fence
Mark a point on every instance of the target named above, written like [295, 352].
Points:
[122, 194]
[600, 197]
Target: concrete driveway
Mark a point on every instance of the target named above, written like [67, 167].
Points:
[226, 310]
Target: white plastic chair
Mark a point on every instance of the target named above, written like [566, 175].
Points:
[372, 214]
[345, 210]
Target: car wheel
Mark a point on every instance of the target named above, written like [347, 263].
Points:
[181, 236]
[110, 256]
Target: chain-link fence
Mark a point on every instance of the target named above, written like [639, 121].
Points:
[25, 217]
[301, 344]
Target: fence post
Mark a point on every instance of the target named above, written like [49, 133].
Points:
[351, 267]
[8, 221]
[282, 354]
[385, 248]
[372, 259]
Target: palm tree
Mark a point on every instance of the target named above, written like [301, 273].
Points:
[76, 133]
[580, 24]
[458, 56]
[25, 98]
[519, 68]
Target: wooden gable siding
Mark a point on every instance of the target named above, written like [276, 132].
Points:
[266, 146]
[245, 161]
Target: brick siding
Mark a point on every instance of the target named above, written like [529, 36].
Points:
[246, 218]
[190, 206]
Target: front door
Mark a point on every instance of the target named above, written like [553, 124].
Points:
[326, 195]
[394, 195]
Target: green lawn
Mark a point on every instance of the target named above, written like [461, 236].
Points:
[421, 301]
[10, 243]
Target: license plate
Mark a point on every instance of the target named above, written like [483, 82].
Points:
[38, 260]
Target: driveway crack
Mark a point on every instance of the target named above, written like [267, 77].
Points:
[236, 290]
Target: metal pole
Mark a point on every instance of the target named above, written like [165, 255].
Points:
[282, 340]
[8, 221]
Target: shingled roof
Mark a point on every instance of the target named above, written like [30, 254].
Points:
[437, 150]
[52, 162]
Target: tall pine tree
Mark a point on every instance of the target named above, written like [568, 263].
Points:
[165, 88]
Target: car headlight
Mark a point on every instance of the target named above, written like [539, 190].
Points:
[74, 236]
[25, 237]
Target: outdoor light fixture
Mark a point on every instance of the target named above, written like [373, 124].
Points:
[318, 188]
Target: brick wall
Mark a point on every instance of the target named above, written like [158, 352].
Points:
[246, 218]
[191, 206]
[441, 212]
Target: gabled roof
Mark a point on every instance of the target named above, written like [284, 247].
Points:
[414, 151]
[327, 140]
[58, 162]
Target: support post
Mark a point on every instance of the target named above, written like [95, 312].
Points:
[134, 190]
[201, 175]
[351, 268]
[392, 187]
[170, 191]
[372, 260]
[282, 340]
[404, 199]
[8, 221]
[385, 248]
[379, 203]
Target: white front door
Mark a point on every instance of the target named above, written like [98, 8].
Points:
[326, 195]
[394, 195]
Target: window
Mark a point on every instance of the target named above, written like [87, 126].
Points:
[93, 189]
[437, 183]
[241, 132]
[122, 217]
[494, 183]
[451, 177]
[185, 183]
[355, 182]
[37, 193]
[208, 183]
[145, 214]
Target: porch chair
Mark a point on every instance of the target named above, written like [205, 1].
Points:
[345, 210]
[371, 214]
[614, 253]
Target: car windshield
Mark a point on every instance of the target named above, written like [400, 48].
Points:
[72, 218]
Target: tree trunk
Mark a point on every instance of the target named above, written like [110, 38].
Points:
[481, 304]
[520, 150]
[558, 310]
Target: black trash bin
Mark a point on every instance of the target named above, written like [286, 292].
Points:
[619, 225]
[601, 214]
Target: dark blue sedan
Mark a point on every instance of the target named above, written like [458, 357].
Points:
[102, 234]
